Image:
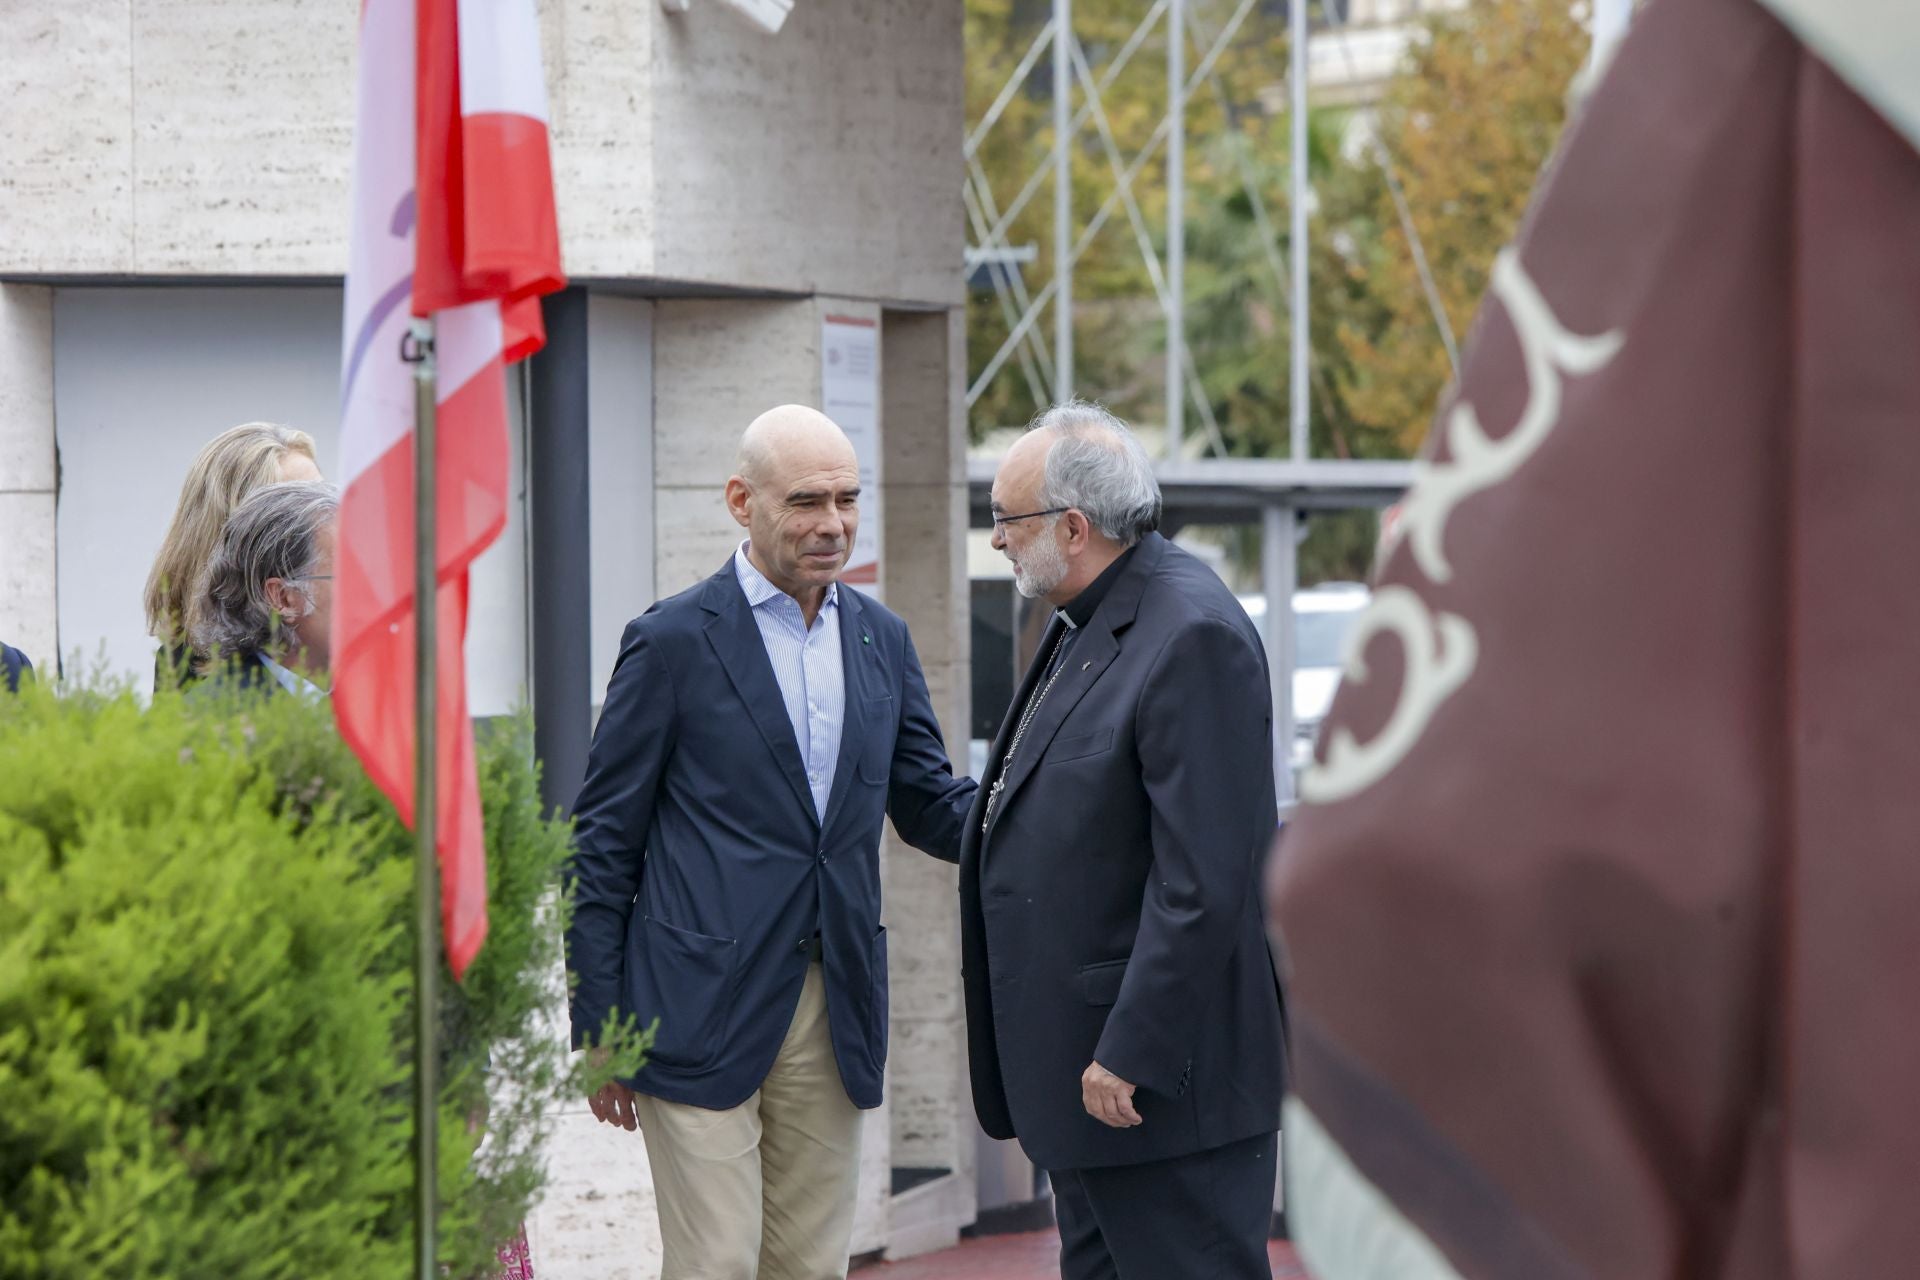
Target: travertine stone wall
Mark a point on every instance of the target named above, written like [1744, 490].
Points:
[717, 365]
[242, 134]
[599, 57]
[66, 137]
[28, 474]
[924, 574]
[824, 159]
[174, 136]
[181, 137]
[185, 137]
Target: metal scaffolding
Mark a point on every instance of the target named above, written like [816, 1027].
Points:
[1271, 493]
[1213, 489]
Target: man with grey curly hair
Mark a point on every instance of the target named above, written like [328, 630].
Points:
[1091, 464]
[1122, 1017]
[263, 607]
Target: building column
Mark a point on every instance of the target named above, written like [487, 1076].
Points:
[717, 365]
[561, 556]
[924, 578]
[29, 475]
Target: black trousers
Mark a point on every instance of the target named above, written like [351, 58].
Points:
[1198, 1217]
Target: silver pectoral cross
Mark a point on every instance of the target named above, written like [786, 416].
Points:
[993, 796]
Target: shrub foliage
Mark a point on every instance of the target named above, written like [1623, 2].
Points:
[205, 998]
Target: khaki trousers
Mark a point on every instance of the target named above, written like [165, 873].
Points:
[764, 1190]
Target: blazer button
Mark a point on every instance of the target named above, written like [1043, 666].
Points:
[823, 859]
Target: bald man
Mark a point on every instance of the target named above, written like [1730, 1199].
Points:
[757, 730]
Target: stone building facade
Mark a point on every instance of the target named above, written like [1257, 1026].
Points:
[173, 212]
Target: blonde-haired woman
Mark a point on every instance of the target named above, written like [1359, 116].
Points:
[234, 464]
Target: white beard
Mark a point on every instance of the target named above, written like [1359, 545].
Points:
[1040, 570]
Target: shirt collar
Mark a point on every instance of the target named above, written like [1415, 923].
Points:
[759, 590]
[1078, 612]
[292, 681]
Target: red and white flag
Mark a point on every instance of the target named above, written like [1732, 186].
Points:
[453, 217]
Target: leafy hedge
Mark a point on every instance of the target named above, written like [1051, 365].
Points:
[205, 1019]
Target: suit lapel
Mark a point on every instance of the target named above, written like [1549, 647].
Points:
[1087, 657]
[972, 839]
[1049, 636]
[857, 656]
[736, 640]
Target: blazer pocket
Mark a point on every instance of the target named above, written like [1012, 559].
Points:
[686, 980]
[876, 753]
[1080, 745]
[1100, 983]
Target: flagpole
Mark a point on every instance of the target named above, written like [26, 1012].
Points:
[426, 879]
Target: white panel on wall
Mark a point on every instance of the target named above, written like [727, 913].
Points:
[620, 480]
[499, 679]
[143, 377]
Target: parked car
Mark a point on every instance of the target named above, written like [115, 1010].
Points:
[1323, 617]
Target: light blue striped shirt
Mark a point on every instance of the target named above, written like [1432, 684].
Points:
[807, 665]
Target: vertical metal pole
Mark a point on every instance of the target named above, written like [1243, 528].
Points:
[1279, 571]
[1176, 225]
[426, 880]
[1062, 200]
[1298, 402]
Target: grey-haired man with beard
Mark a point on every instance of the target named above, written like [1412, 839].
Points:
[1122, 1017]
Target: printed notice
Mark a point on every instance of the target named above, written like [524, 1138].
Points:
[850, 395]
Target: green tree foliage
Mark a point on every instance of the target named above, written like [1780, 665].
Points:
[205, 1024]
[1469, 126]
[1119, 340]
[1239, 318]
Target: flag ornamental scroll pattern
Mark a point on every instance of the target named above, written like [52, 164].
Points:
[453, 218]
[1442, 650]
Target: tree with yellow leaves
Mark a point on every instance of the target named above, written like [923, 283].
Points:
[1467, 129]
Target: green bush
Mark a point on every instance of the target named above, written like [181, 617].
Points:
[205, 998]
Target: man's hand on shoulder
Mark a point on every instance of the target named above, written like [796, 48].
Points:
[1108, 1098]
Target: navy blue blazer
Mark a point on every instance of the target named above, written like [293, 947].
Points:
[13, 665]
[702, 871]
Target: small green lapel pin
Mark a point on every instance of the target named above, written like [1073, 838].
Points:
[865, 638]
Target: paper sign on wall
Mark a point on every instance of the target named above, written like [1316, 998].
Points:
[850, 395]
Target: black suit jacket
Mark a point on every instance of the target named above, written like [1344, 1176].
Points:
[703, 871]
[1110, 912]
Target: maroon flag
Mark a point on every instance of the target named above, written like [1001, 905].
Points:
[1602, 919]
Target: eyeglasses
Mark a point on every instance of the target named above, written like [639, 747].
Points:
[1031, 515]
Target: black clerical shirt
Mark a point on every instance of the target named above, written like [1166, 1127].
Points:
[1079, 611]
